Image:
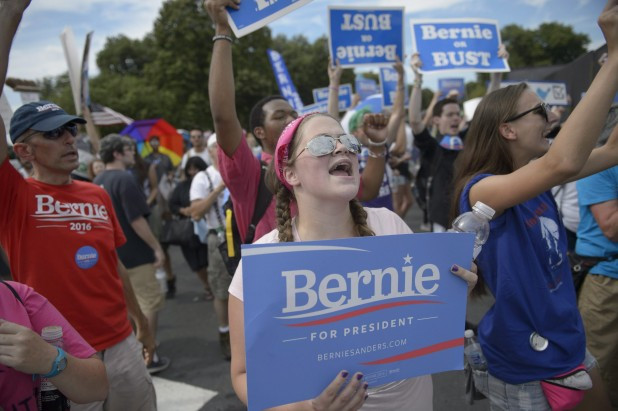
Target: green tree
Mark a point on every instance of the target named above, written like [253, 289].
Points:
[549, 44]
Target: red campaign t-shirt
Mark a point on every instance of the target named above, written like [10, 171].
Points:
[17, 390]
[61, 240]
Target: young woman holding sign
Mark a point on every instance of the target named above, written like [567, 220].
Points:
[316, 167]
[533, 332]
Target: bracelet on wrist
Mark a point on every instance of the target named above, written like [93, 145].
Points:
[222, 37]
[374, 144]
[334, 88]
[377, 155]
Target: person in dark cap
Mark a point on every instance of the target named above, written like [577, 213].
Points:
[74, 230]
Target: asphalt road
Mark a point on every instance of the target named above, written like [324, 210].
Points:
[198, 378]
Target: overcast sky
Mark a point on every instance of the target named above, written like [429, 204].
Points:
[37, 51]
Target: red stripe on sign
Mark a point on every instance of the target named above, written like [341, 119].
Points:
[361, 312]
[418, 353]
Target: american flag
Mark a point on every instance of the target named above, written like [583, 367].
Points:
[105, 116]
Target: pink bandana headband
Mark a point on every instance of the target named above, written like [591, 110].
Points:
[281, 152]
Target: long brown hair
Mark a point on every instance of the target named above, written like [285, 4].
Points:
[284, 197]
[485, 150]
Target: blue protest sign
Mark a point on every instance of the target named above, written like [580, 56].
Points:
[286, 86]
[345, 96]
[362, 36]
[458, 44]
[388, 85]
[365, 87]
[446, 85]
[255, 14]
[386, 306]
[553, 93]
[321, 107]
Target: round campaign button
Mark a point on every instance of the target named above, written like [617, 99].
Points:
[86, 257]
[538, 342]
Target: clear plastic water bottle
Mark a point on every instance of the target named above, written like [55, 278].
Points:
[477, 222]
[50, 397]
[473, 353]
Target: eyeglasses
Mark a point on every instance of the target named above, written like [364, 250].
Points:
[324, 144]
[541, 109]
[56, 133]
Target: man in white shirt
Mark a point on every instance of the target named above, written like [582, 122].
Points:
[198, 141]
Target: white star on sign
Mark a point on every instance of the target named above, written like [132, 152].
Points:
[407, 259]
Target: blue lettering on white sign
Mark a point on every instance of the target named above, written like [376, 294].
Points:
[360, 36]
[86, 257]
[458, 44]
[386, 306]
[286, 86]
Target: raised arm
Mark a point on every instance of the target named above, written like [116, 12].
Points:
[334, 80]
[398, 113]
[568, 155]
[221, 89]
[10, 16]
[375, 127]
[414, 107]
[432, 103]
[496, 78]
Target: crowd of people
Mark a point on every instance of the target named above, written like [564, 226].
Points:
[102, 249]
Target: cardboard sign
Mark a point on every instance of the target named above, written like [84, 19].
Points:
[554, 94]
[365, 87]
[345, 96]
[445, 85]
[458, 44]
[365, 36]
[388, 86]
[284, 81]
[255, 14]
[387, 306]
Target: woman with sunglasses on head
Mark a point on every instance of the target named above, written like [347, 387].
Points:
[534, 331]
[316, 171]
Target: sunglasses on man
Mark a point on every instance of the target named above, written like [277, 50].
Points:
[541, 109]
[56, 133]
[324, 144]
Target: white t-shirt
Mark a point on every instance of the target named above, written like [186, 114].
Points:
[192, 153]
[201, 188]
[414, 393]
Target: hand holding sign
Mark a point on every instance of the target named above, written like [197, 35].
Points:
[608, 22]
[217, 10]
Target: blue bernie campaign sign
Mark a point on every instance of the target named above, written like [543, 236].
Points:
[458, 44]
[255, 14]
[387, 306]
[553, 93]
[321, 107]
[284, 81]
[365, 36]
[388, 85]
[446, 85]
[365, 87]
[345, 96]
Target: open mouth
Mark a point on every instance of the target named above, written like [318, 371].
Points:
[341, 168]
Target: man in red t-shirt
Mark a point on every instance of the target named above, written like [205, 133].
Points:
[61, 237]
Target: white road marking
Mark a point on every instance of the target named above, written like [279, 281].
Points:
[173, 395]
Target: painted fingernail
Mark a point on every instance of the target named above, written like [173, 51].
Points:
[454, 268]
[365, 385]
[359, 376]
[344, 374]
[366, 396]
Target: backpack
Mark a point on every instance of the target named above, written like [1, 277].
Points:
[230, 246]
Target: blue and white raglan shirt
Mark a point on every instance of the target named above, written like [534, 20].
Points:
[385, 195]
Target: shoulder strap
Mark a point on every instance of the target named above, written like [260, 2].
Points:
[264, 196]
[13, 291]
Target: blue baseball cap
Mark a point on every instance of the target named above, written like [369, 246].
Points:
[40, 116]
